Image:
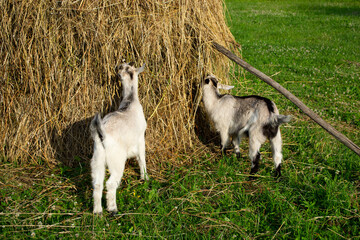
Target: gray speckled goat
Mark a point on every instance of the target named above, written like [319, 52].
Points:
[118, 136]
[235, 117]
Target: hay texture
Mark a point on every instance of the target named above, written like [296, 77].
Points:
[57, 70]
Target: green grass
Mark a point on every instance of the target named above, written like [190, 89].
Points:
[211, 198]
[313, 48]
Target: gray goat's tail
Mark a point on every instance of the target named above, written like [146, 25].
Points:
[96, 129]
[271, 128]
[277, 119]
[280, 119]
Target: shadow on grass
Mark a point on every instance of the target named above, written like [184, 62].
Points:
[73, 148]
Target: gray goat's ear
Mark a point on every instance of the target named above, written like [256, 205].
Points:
[140, 69]
[225, 87]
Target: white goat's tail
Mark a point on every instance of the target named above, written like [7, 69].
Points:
[96, 129]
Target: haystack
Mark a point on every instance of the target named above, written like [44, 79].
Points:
[57, 71]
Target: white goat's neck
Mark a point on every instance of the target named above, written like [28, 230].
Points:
[130, 94]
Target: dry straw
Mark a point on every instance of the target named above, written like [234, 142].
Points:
[57, 71]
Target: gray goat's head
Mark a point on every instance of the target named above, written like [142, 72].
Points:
[211, 82]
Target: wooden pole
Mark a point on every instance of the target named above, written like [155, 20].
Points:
[339, 136]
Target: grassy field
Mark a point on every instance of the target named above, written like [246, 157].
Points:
[311, 48]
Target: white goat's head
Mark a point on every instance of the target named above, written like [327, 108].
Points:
[129, 74]
[211, 82]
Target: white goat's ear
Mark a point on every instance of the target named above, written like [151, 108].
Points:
[225, 87]
[140, 69]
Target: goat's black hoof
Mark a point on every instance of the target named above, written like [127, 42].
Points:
[253, 171]
[278, 172]
[238, 155]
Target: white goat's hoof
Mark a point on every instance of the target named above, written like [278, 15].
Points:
[97, 213]
[145, 178]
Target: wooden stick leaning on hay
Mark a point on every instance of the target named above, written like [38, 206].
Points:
[339, 136]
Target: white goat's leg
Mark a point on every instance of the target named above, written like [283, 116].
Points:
[98, 175]
[276, 146]
[141, 160]
[116, 163]
[254, 153]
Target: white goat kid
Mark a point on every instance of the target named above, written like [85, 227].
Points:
[118, 136]
[253, 116]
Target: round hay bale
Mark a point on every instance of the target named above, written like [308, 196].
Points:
[57, 71]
